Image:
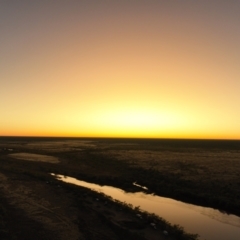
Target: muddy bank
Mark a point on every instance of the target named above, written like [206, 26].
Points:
[31, 198]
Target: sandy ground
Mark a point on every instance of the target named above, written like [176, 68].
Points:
[40, 209]
[40, 205]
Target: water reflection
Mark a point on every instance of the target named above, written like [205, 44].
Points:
[143, 187]
[209, 223]
[34, 157]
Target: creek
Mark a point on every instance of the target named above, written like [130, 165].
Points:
[209, 223]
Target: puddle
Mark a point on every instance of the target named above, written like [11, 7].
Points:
[34, 157]
[140, 186]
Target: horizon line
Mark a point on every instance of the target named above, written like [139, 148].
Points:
[150, 138]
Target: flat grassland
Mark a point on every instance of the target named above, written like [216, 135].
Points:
[34, 202]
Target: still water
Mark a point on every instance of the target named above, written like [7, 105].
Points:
[209, 223]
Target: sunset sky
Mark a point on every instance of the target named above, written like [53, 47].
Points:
[157, 69]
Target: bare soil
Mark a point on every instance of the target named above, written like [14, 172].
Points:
[34, 205]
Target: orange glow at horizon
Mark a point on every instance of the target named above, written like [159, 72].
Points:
[156, 70]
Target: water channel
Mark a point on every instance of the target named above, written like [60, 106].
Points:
[209, 223]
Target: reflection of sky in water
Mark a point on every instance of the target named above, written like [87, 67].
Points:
[211, 224]
[217, 215]
[34, 157]
[143, 187]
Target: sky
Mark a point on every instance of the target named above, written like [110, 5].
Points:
[155, 69]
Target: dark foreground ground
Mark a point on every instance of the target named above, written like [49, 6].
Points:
[34, 205]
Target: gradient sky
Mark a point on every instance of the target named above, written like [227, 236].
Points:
[162, 69]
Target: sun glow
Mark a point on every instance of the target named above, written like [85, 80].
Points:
[120, 70]
[133, 121]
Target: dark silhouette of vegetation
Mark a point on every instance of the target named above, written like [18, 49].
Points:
[201, 172]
